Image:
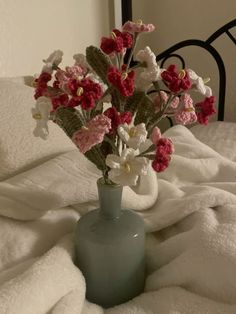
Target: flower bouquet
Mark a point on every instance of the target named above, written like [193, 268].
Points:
[111, 109]
[110, 106]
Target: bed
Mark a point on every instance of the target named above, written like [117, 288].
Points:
[189, 213]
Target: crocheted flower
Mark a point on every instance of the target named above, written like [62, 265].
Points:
[127, 168]
[164, 148]
[164, 98]
[92, 133]
[41, 84]
[138, 27]
[80, 60]
[52, 61]
[199, 83]
[155, 135]
[84, 92]
[117, 118]
[117, 42]
[161, 163]
[41, 114]
[64, 77]
[176, 81]
[186, 114]
[60, 100]
[151, 72]
[133, 136]
[122, 80]
[205, 109]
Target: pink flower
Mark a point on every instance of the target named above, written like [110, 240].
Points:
[123, 81]
[164, 96]
[117, 42]
[117, 118]
[92, 133]
[205, 109]
[64, 77]
[137, 27]
[186, 114]
[176, 81]
[155, 135]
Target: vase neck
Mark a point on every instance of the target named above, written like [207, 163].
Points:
[109, 199]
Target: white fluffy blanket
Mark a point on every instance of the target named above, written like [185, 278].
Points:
[190, 216]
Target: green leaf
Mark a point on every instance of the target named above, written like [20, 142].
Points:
[98, 61]
[134, 101]
[68, 120]
[145, 111]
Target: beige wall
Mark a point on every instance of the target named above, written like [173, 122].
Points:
[187, 19]
[31, 29]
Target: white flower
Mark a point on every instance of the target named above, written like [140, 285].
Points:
[41, 114]
[152, 71]
[80, 60]
[133, 136]
[54, 59]
[199, 83]
[126, 169]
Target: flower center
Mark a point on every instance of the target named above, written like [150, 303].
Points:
[127, 167]
[132, 132]
[113, 35]
[80, 91]
[85, 128]
[189, 109]
[124, 76]
[206, 80]
[139, 22]
[37, 116]
[181, 74]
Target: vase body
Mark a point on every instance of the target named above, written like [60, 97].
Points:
[110, 250]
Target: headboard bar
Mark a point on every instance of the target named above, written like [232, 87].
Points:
[220, 31]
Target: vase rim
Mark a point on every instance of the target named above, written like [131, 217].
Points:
[101, 181]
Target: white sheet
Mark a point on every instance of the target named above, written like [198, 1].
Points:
[191, 247]
[218, 135]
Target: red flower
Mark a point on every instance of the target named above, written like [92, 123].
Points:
[164, 146]
[161, 163]
[84, 92]
[41, 84]
[176, 81]
[117, 42]
[205, 109]
[117, 118]
[60, 100]
[123, 81]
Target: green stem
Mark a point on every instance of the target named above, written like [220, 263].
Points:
[114, 148]
[162, 113]
[132, 50]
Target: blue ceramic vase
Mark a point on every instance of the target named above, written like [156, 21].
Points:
[110, 249]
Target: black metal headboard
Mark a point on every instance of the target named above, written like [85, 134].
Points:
[207, 45]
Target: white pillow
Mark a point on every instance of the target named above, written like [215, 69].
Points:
[19, 149]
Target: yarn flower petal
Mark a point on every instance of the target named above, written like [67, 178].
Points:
[133, 136]
[127, 168]
[41, 114]
[199, 83]
[92, 133]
